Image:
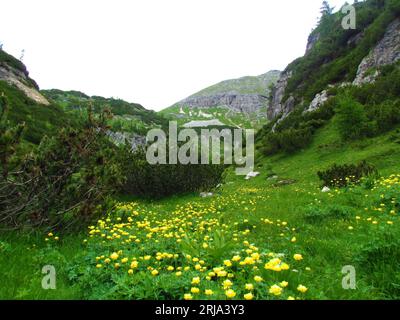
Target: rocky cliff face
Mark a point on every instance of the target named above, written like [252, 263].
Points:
[312, 40]
[245, 95]
[278, 106]
[245, 103]
[387, 51]
[21, 80]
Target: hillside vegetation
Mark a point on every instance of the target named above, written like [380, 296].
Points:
[164, 249]
[245, 85]
[326, 201]
[241, 103]
[128, 117]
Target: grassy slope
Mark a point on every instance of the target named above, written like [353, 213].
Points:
[246, 85]
[223, 114]
[40, 120]
[326, 246]
[130, 117]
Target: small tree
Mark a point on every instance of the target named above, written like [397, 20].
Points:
[351, 118]
[326, 9]
[326, 12]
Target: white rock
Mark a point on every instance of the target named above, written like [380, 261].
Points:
[252, 175]
[206, 194]
[326, 189]
[318, 101]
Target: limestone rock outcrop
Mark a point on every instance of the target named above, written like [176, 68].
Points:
[387, 51]
[22, 81]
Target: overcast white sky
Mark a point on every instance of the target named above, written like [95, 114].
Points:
[154, 52]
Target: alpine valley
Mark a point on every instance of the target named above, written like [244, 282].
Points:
[317, 219]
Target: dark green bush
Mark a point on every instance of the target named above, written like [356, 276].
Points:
[318, 214]
[61, 183]
[157, 181]
[289, 141]
[386, 115]
[292, 140]
[351, 118]
[343, 175]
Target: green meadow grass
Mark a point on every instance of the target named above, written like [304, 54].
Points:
[325, 225]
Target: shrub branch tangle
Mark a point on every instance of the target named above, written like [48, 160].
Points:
[60, 183]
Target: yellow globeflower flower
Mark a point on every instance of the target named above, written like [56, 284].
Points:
[124, 260]
[258, 279]
[284, 266]
[227, 284]
[116, 265]
[228, 263]
[196, 280]
[114, 256]
[208, 292]
[291, 298]
[222, 273]
[248, 296]
[293, 239]
[230, 293]
[275, 290]
[302, 288]
[130, 271]
[178, 274]
[249, 286]
[187, 296]
[154, 272]
[284, 284]
[99, 266]
[194, 290]
[298, 257]
[134, 264]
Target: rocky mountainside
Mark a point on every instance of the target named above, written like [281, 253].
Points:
[336, 57]
[15, 73]
[45, 111]
[239, 102]
[26, 104]
[247, 94]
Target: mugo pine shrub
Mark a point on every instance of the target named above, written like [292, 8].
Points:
[162, 180]
[343, 175]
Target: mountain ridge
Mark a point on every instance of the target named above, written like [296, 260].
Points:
[240, 102]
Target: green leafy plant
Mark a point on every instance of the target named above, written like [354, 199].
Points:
[343, 175]
[157, 181]
[61, 183]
